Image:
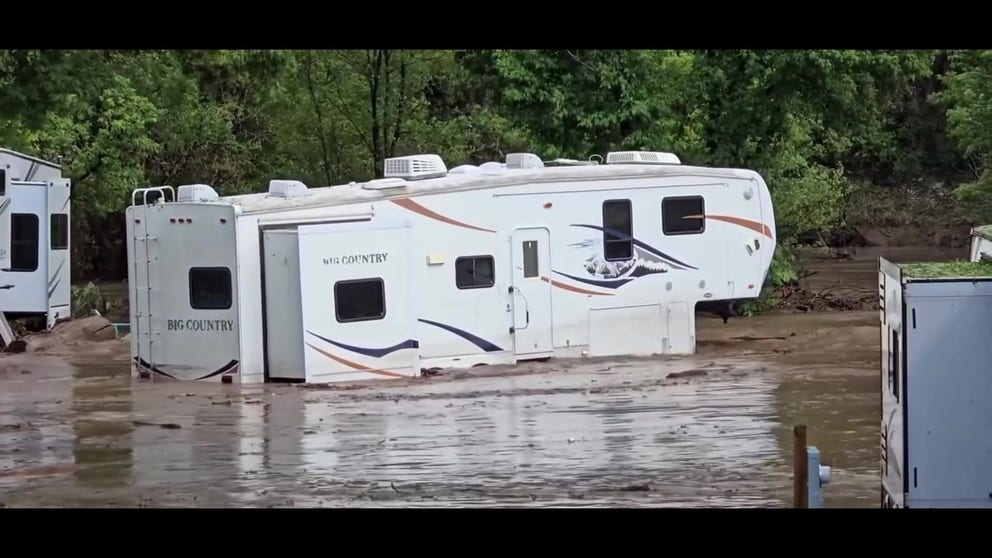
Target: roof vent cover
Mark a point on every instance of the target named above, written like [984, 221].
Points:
[464, 169]
[287, 189]
[523, 161]
[384, 184]
[196, 193]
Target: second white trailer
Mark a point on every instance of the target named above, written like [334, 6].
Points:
[34, 239]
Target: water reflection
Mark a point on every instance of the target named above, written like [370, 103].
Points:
[102, 432]
[50, 434]
[444, 445]
[840, 409]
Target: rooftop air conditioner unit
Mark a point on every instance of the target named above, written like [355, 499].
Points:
[642, 158]
[414, 167]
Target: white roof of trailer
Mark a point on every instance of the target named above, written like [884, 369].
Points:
[466, 178]
[18, 155]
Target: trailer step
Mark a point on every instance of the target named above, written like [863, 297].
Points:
[6, 331]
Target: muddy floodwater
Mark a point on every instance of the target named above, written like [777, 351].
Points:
[712, 430]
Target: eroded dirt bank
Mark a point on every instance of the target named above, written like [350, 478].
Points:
[713, 429]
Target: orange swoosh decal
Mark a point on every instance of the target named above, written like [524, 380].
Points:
[355, 365]
[755, 226]
[567, 287]
[407, 203]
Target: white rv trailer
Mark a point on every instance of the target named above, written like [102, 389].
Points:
[935, 384]
[429, 268]
[34, 239]
[981, 243]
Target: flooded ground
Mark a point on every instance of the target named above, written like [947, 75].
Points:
[711, 430]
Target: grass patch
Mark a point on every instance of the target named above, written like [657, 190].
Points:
[936, 270]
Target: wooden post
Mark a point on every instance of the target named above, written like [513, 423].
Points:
[799, 467]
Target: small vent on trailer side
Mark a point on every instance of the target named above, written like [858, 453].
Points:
[642, 158]
[415, 167]
[287, 189]
[196, 193]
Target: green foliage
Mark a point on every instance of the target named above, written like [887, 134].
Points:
[575, 102]
[86, 300]
[803, 118]
[969, 116]
[784, 271]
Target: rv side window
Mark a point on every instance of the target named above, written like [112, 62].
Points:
[475, 272]
[618, 225]
[3, 182]
[210, 288]
[360, 300]
[60, 231]
[24, 242]
[683, 215]
[531, 261]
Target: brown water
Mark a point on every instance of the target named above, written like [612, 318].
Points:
[581, 433]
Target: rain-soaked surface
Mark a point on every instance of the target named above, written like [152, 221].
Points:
[714, 429]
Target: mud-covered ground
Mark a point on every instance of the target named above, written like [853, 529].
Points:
[714, 429]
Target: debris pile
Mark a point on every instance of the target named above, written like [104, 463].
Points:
[837, 296]
[831, 298]
[73, 336]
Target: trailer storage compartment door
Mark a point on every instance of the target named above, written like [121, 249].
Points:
[356, 286]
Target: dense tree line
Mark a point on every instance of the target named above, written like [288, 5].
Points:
[819, 125]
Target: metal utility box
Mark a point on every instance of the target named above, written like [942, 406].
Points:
[936, 384]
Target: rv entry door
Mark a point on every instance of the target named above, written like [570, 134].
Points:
[530, 292]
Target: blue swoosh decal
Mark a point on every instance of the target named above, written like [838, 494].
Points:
[638, 243]
[230, 366]
[607, 284]
[370, 352]
[475, 340]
